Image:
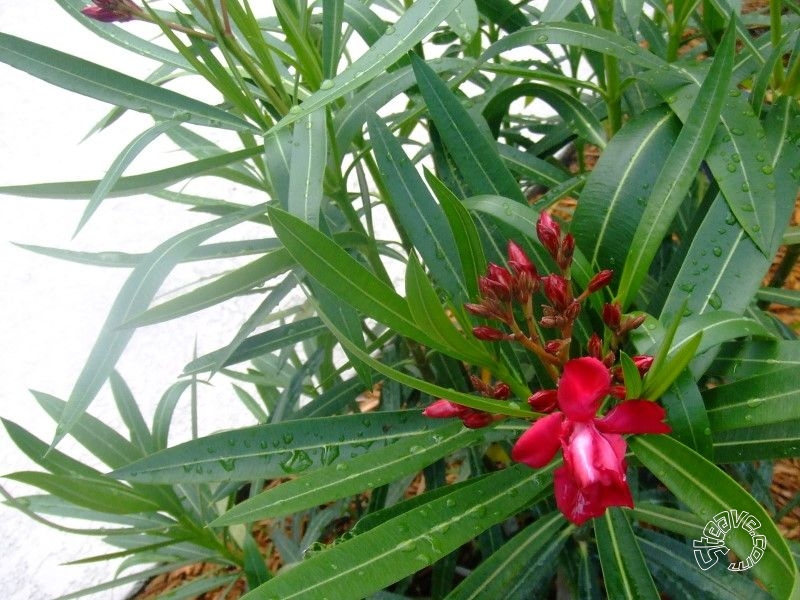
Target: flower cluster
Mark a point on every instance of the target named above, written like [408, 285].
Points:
[593, 476]
[109, 11]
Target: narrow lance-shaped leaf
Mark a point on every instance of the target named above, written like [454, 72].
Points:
[708, 491]
[678, 172]
[275, 450]
[625, 572]
[422, 17]
[90, 79]
[346, 478]
[421, 218]
[133, 184]
[136, 293]
[309, 158]
[372, 560]
[475, 155]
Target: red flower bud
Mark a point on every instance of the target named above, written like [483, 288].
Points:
[544, 400]
[476, 419]
[566, 252]
[601, 280]
[618, 391]
[488, 334]
[643, 363]
[556, 289]
[612, 313]
[595, 346]
[549, 234]
[480, 310]
[519, 261]
[552, 347]
[444, 409]
[108, 11]
[497, 283]
[501, 391]
[632, 323]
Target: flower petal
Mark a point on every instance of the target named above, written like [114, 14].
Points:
[579, 504]
[593, 457]
[537, 446]
[634, 416]
[583, 384]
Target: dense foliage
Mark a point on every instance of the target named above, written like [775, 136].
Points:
[550, 302]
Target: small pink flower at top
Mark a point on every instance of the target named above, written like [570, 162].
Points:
[109, 11]
[592, 477]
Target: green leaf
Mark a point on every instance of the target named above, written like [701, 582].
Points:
[722, 268]
[669, 519]
[346, 478]
[332, 16]
[87, 78]
[765, 442]
[525, 563]
[615, 194]
[467, 240]
[625, 572]
[779, 296]
[679, 576]
[255, 566]
[103, 441]
[133, 184]
[578, 35]
[737, 155]
[374, 559]
[235, 283]
[330, 265]
[464, 20]
[128, 154]
[475, 155]
[309, 158]
[422, 219]
[429, 315]
[136, 293]
[678, 172]
[130, 413]
[513, 409]
[531, 167]
[419, 20]
[275, 449]
[760, 400]
[631, 377]
[258, 344]
[95, 493]
[708, 491]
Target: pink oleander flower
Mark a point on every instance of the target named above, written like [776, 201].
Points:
[109, 11]
[592, 477]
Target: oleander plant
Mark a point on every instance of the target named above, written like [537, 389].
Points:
[535, 246]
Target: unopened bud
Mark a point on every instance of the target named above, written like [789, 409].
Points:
[543, 401]
[632, 323]
[566, 252]
[109, 11]
[572, 311]
[488, 334]
[553, 347]
[595, 346]
[501, 391]
[518, 260]
[444, 409]
[601, 280]
[477, 419]
[618, 391]
[549, 234]
[643, 363]
[612, 313]
[556, 289]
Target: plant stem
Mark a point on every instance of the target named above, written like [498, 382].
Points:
[605, 14]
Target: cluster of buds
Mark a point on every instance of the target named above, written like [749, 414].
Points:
[505, 292]
[593, 475]
[474, 419]
[109, 11]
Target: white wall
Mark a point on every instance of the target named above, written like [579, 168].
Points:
[51, 311]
